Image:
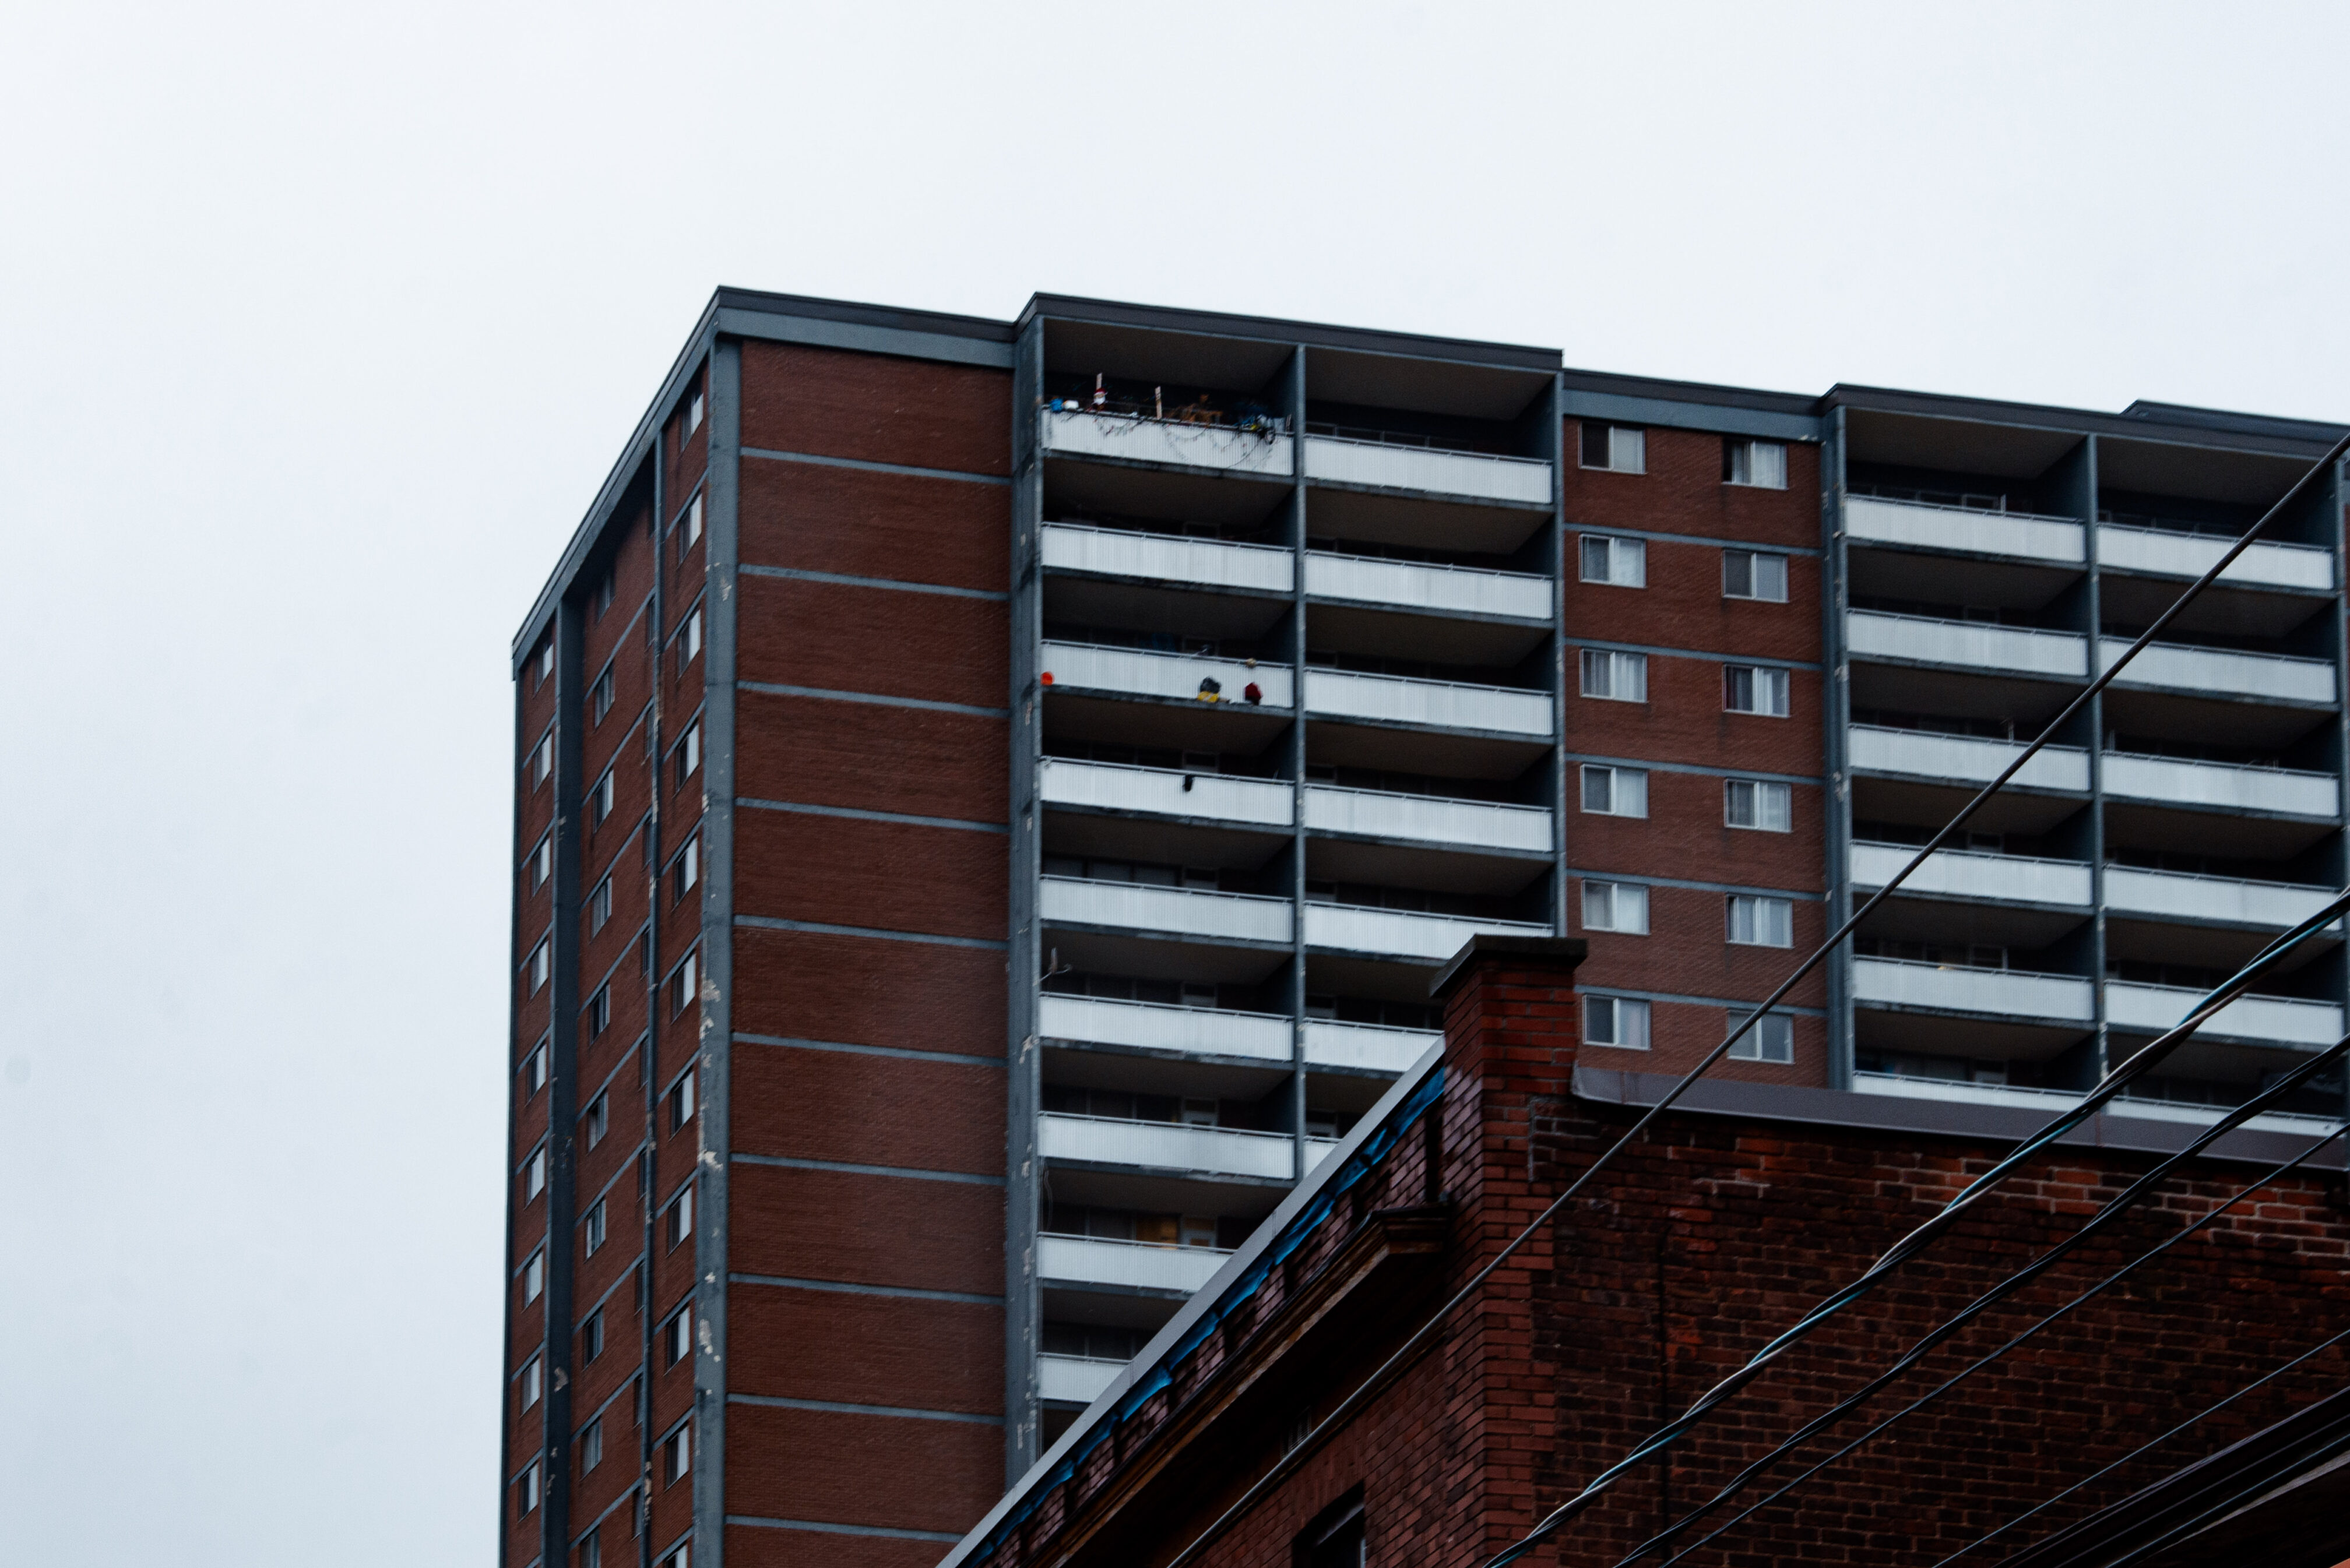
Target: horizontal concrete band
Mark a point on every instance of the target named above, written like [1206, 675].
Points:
[774, 689]
[847, 1169]
[1728, 1003]
[755, 1521]
[835, 1407]
[894, 585]
[1592, 874]
[1698, 768]
[819, 928]
[912, 1292]
[861, 815]
[1703, 655]
[744, 1037]
[908, 470]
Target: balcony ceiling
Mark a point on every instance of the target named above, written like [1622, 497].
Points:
[2161, 468]
[1965, 446]
[1424, 386]
[1184, 358]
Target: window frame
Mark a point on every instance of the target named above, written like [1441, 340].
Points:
[599, 905]
[689, 751]
[1757, 1044]
[1768, 916]
[533, 1071]
[591, 1446]
[1763, 788]
[1748, 448]
[680, 1099]
[534, 1276]
[1620, 550]
[541, 861]
[681, 986]
[594, 1228]
[1617, 773]
[542, 760]
[534, 1174]
[598, 1118]
[1588, 658]
[1617, 1016]
[1755, 560]
[689, 523]
[532, 1381]
[677, 1218]
[539, 965]
[677, 1336]
[1767, 683]
[1637, 446]
[1615, 894]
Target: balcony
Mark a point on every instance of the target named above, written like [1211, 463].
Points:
[1166, 792]
[1139, 672]
[1452, 705]
[1164, 558]
[1402, 933]
[1162, 911]
[1074, 1379]
[1995, 992]
[1412, 584]
[2225, 787]
[2160, 552]
[1964, 759]
[1132, 437]
[1126, 1265]
[2222, 672]
[1428, 819]
[1959, 874]
[1166, 1146]
[1151, 1026]
[2018, 534]
[1384, 465]
[2216, 900]
[1969, 645]
[1365, 1048]
[2265, 1020]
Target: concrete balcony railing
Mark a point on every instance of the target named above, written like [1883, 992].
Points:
[1995, 992]
[1153, 1026]
[1164, 1146]
[1335, 459]
[1370, 1046]
[2161, 553]
[1412, 584]
[1125, 1265]
[1166, 792]
[1165, 557]
[1427, 819]
[1968, 645]
[1083, 433]
[1402, 933]
[2175, 895]
[2177, 781]
[1959, 874]
[1169, 911]
[1345, 694]
[2222, 673]
[2058, 541]
[1138, 672]
[1963, 759]
[2270, 1020]
[1074, 1379]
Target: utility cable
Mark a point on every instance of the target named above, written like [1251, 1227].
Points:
[1386, 1370]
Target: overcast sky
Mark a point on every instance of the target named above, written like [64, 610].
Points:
[319, 328]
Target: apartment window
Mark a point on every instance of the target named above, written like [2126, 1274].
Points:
[1624, 448]
[533, 1071]
[591, 1551]
[542, 863]
[1761, 463]
[542, 760]
[681, 986]
[599, 697]
[605, 587]
[1758, 922]
[1616, 907]
[677, 1455]
[545, 661]
[689, 752]
[534, 1174]
[526, 1489]
[692, 420]
[534, 1277]
[1757, 804]
[534, 1381]
[677, 1220]
[680, 1101]
[600, 1120]
[540, 958]
[600, 800]
[1615, 677]
[596, 1228]
[591, 1336]
[1622, 562]
[599, 905]
[591, 1451]
[1753, 688]
[1335, 1538]
[1610, 791]
[689, 867]
[677, 1337]
[1619, 1021]
[689, 532]
[689, 639]
[676, 1559]
[1772, 1039]
[1754, 575]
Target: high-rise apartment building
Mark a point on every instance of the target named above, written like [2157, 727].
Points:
[991, 797]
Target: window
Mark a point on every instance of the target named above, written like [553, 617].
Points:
[600, 1120]
[605, 589]
[599, 905]
[1619, 1021]
[534, 1381]
[534, 1174]
[591, 1551]
[1616, 907]
[1751, 689]
[1621, 562]
[591, 1336]
[1772, 1039]
[1751, 574]
[676, 1559]
[1616, 677]
[689, 639]
[681, 986]
[677, 1337]
[689, 532]
[540, 957]
[1614, 791]
[677, 1221]
[533, 1071]
[599, 1009]
[677, 1455]
[1758, 922]
[542, 863]
[1334, 1539]
[596, 1228]
[592, 1452]
[680, 1101]
[545, 660]
[599, 697]
[534, 1277]
[1622, 448]
[600, 800]
[692, 419]
[526, 1489]
[689, 752]
[1756, 804]
[542, 760]
[689, 867]
[1761, 463]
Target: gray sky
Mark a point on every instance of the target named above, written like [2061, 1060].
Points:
[321, 324]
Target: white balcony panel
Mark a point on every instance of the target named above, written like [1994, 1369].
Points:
[1365, 579]
[2006, 650]
[2055, 539]
[1964, 759]
[1074, 1379]
[1137, 673]
[1085, 434]
[1142, 907]
[1125, 1265]
[1426, 819]
[1341, 461]
[2049, 1102]
[1955, 873]
[1166, 792]
[1164, 1146]
[1151, 1026]
[1901, 982]
[2279, 1019]
[1345, 694]
[1317, 1149]
[2131, 891]
[1372, 1047]
[1401, 932]
[2173, 781]
[2221, 672]
[2170, 554]
[1164, 557]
